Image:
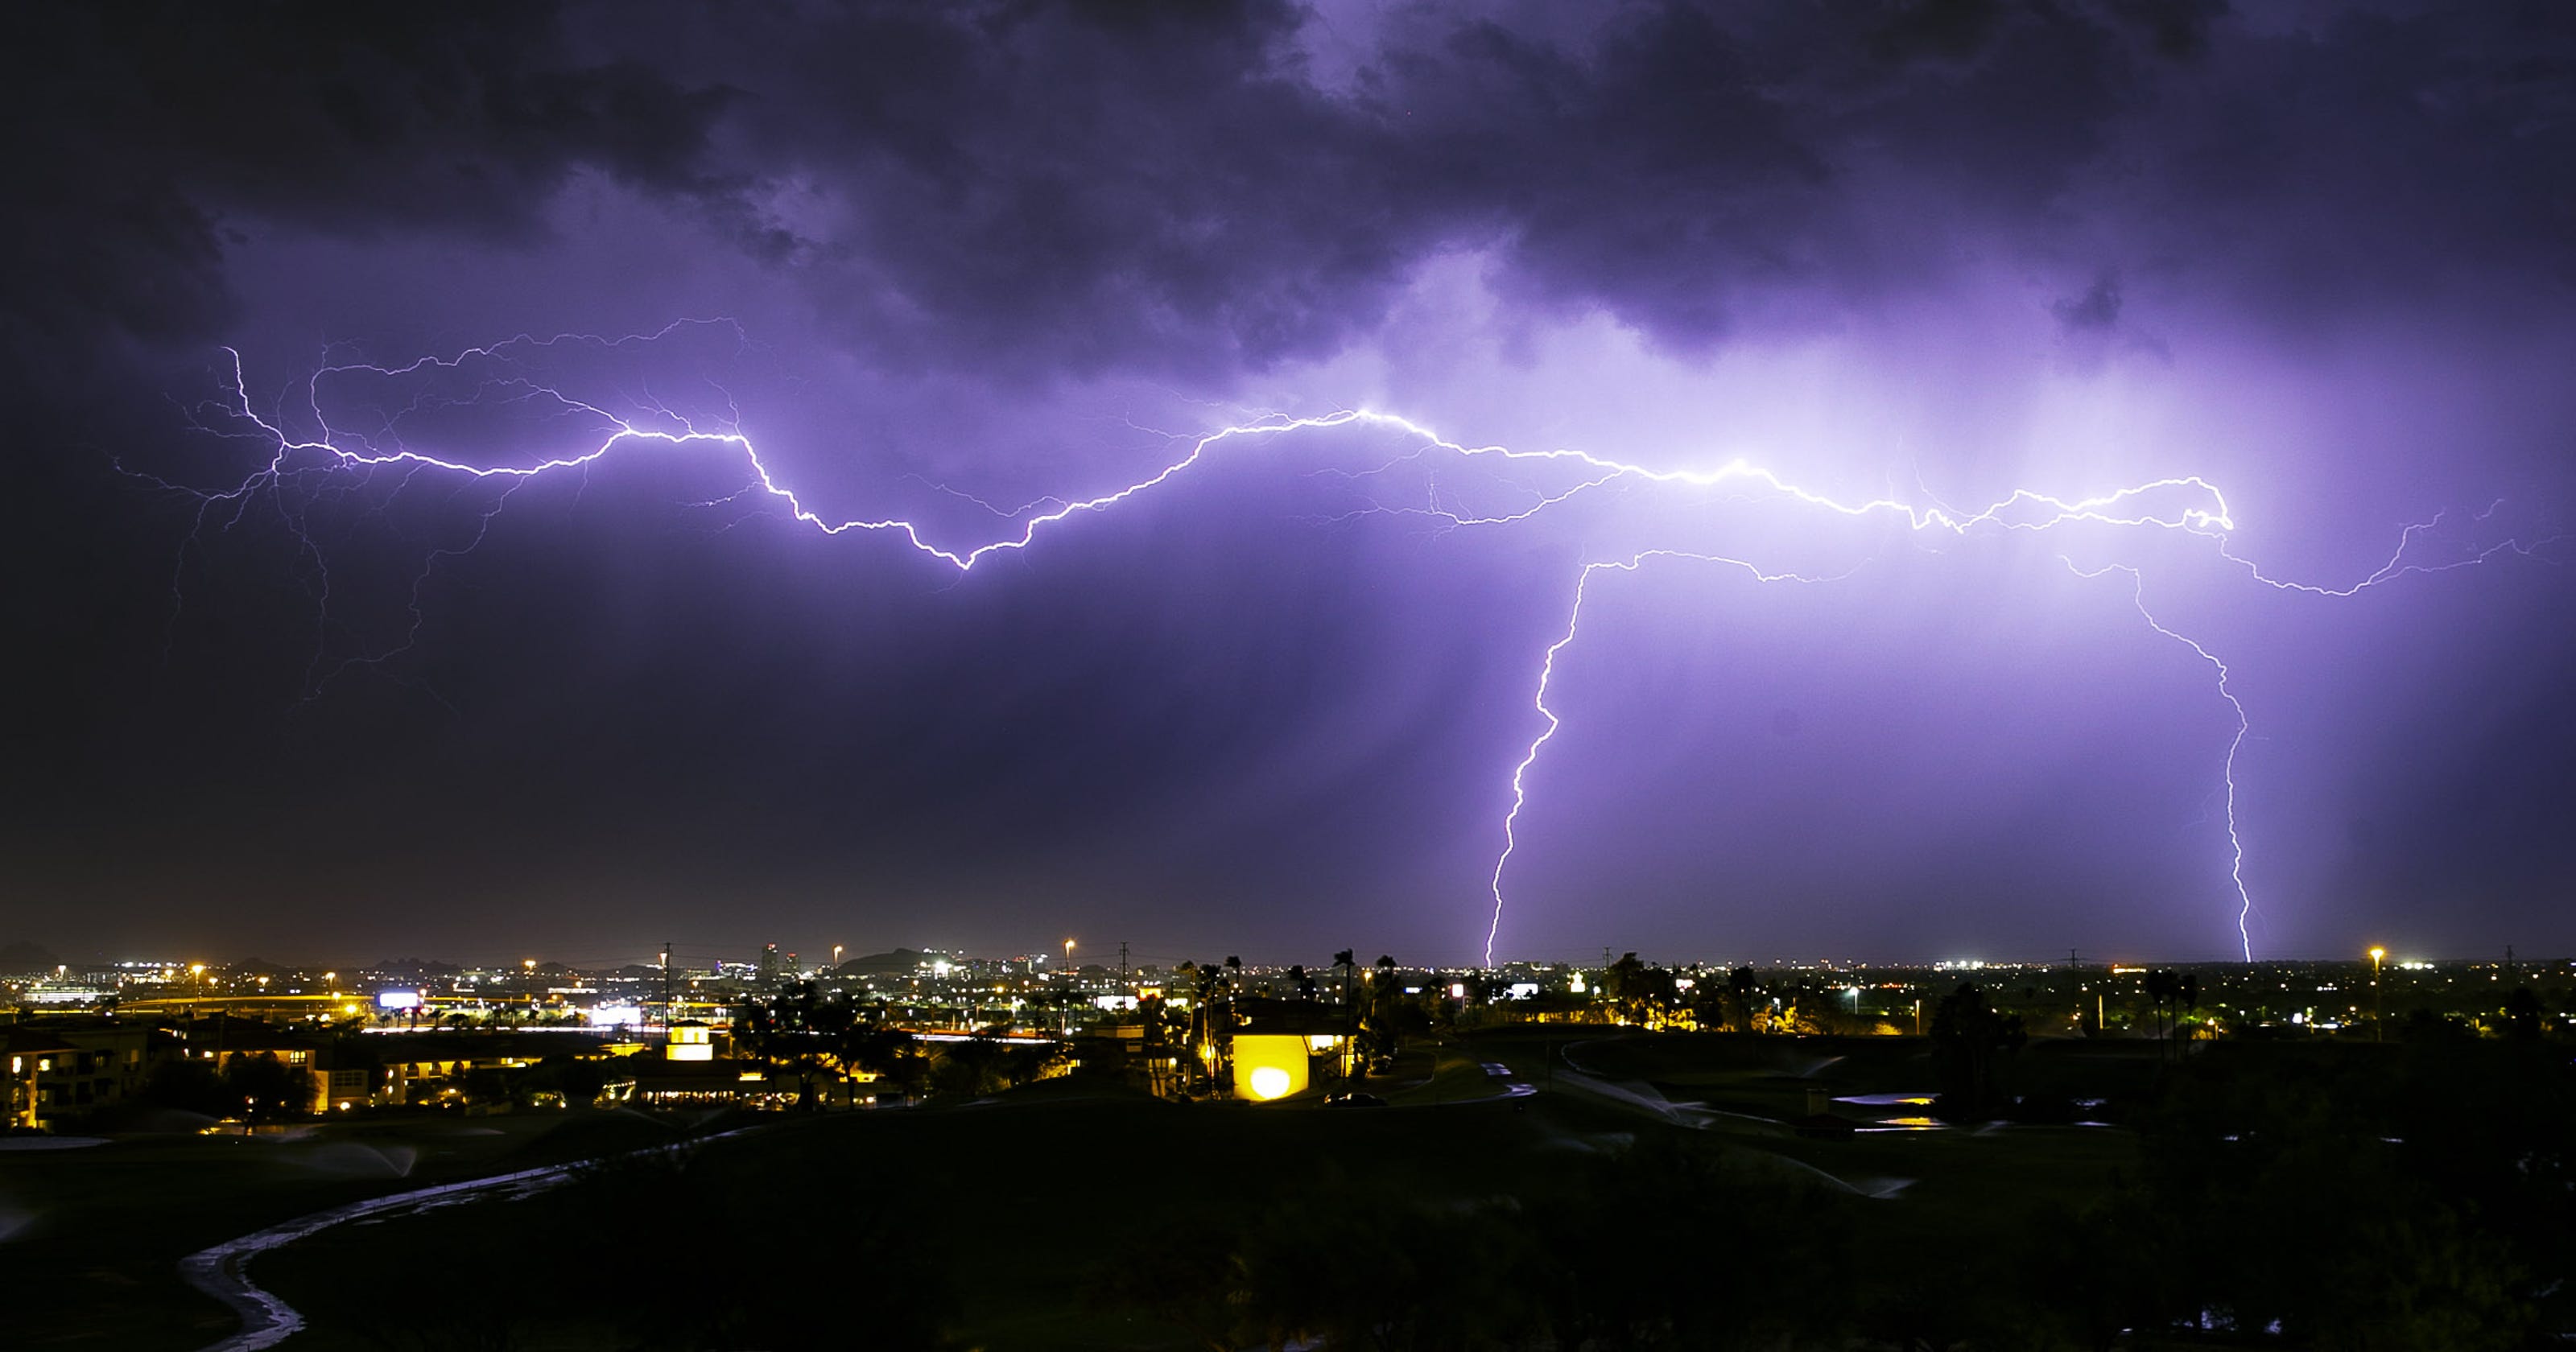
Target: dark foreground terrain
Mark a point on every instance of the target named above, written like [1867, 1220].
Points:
[1642, 1191]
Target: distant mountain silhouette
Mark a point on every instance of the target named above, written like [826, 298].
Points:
[416, 967]
[900, 962]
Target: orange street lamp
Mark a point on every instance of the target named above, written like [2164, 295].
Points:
[2378, 1005]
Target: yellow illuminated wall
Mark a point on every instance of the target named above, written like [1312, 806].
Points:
[1268, 1065]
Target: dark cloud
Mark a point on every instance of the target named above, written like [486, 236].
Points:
[2373, 162]
[1078, 186]
[2089, 331]
[2096, 311]
[1039, 188]
[1067, 188]
[140, 130]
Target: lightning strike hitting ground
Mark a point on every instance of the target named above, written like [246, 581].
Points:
[1547, 673]
[2244, 726]
[2186, 504]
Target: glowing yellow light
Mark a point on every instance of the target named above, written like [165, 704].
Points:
[1269, 1065]
[2377, 954]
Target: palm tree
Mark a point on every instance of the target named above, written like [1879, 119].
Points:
[2161, 987]
[1157, 1021]
[1210, 989]
[1350, 1013]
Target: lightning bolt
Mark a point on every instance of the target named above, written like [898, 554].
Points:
[293, 464]
[2244, 726]
[1547, 674]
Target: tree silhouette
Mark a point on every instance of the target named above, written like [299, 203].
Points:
[2522, 1015]
[264, 1087]
[797, 1028]
[2160, 990]
[1211, 1021]
[1969, 1038]
[890, 1054]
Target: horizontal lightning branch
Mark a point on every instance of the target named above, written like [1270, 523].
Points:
[294, 464]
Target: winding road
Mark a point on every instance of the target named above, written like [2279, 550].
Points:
[267, 1320]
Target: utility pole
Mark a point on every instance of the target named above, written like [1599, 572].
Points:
[666, 990]
[1122, 966]
[2075, 974]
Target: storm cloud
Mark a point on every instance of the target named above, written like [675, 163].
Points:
[2321, 251]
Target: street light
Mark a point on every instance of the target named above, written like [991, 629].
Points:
[2378, 1005]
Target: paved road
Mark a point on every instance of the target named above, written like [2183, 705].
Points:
[268, 1320]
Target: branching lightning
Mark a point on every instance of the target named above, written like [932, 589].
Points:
[1547, 674]
[2235, 744]
[298, 469]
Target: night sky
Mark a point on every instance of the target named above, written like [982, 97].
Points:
[936, 262]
